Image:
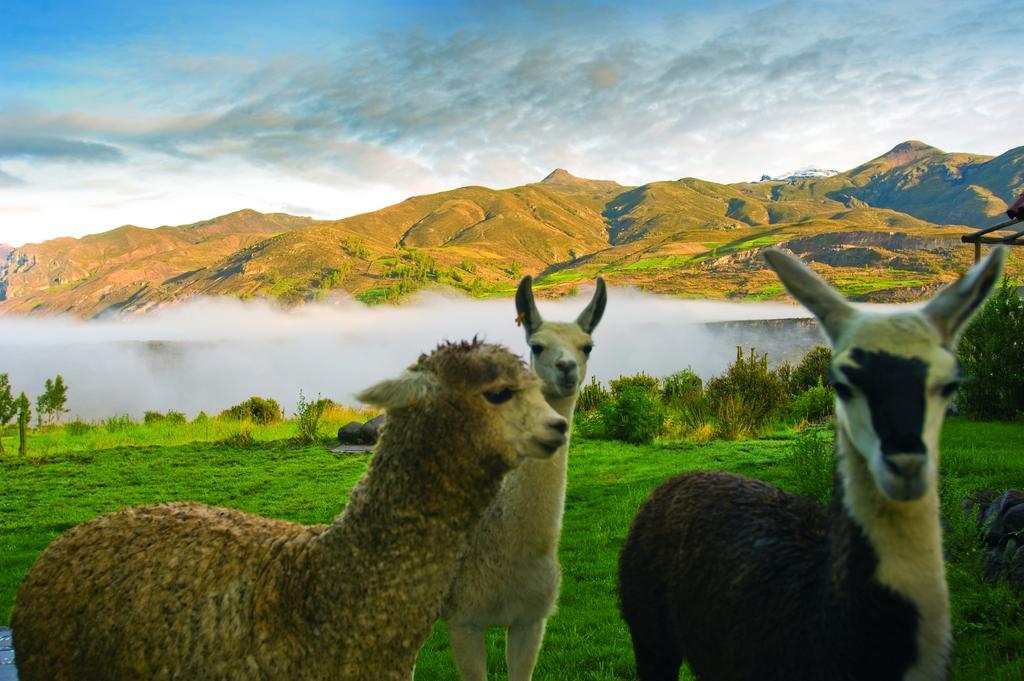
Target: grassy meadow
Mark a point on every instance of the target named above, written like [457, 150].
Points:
[69, 477]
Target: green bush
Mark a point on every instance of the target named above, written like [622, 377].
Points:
[634, 415]
[689, 419]
[814, 405]
[77, 428]
[648, 384]
[682, 387]
[242, 438]
[261, 410]
[115, 424]
[589, 424]
[308, 415]
[730, 422]
[201, 418]
[151, 417]
[175, 418]
[812, 370]
[811, 461]
[591, 397]
[748, 396]
[991, 356]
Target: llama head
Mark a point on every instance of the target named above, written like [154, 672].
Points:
[559, 350]
[482, 388]
[894, 372]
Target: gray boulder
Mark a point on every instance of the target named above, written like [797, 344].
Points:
[371, 429]
[351, 434]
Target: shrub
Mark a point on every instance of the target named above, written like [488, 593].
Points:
[151, 417]
[261, 410]
[693, 418]
[201, 418]
[991, 355]
[115, 424]
[77, 428]
[175, 418]
[747, 396]
[589, 424]
[811, 461]
[812, 370]
[648, 384]
[730, 423]
[682, 387]
[591, 397]
[242, 438]
[814, 405]
[633, 416]
[308, 417]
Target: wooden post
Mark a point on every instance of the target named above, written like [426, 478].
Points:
[977, 252]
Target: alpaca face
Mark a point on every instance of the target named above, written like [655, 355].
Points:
[489, 392]
[895, 372]
[559, 350]
[532, 428]
[894, 382]
[558, 355]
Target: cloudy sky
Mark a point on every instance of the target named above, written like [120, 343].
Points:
[168, 112]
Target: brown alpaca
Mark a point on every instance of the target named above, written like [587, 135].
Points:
[184, 591]
[745, 581]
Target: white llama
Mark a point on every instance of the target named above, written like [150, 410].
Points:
[509, 576]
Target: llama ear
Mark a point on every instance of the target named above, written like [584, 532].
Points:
[952, 307]
[526, 308]
[832, 310]
[409, 388]
[594, 310]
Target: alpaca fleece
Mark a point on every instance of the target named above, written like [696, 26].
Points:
[185, 591]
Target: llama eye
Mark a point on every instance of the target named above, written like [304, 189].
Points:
[844, 391]
[586, 349]
[537, 349]
[499, 396]
[950, 388]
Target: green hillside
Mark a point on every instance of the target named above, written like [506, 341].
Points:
[886, 230]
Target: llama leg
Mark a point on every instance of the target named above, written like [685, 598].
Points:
[657, 653]
[656, 663]
[524, 639]
[470, 652]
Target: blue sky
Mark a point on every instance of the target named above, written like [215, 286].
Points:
[171, 112]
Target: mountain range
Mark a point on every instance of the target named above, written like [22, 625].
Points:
[887, 230]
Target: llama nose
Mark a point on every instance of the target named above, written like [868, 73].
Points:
[905, 465]
[561, 425]
[566, 365]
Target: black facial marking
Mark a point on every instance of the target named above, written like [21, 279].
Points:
[895, 390]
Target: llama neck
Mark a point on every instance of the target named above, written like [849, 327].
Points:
[905, 539]
[533, 495]
[397, 540]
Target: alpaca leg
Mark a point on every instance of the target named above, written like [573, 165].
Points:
[654, 663]
[524, 639]
[470, 652]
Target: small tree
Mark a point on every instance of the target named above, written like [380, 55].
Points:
[308, 416]
[43, 403]
[8, 407]
[991, 355]
[58, 398]
[24, 415]
[812, 370]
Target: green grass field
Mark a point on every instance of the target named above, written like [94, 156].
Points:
[68, 479]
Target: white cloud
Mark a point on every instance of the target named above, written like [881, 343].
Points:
[725, 95]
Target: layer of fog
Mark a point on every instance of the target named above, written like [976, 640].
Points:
[209, 354]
